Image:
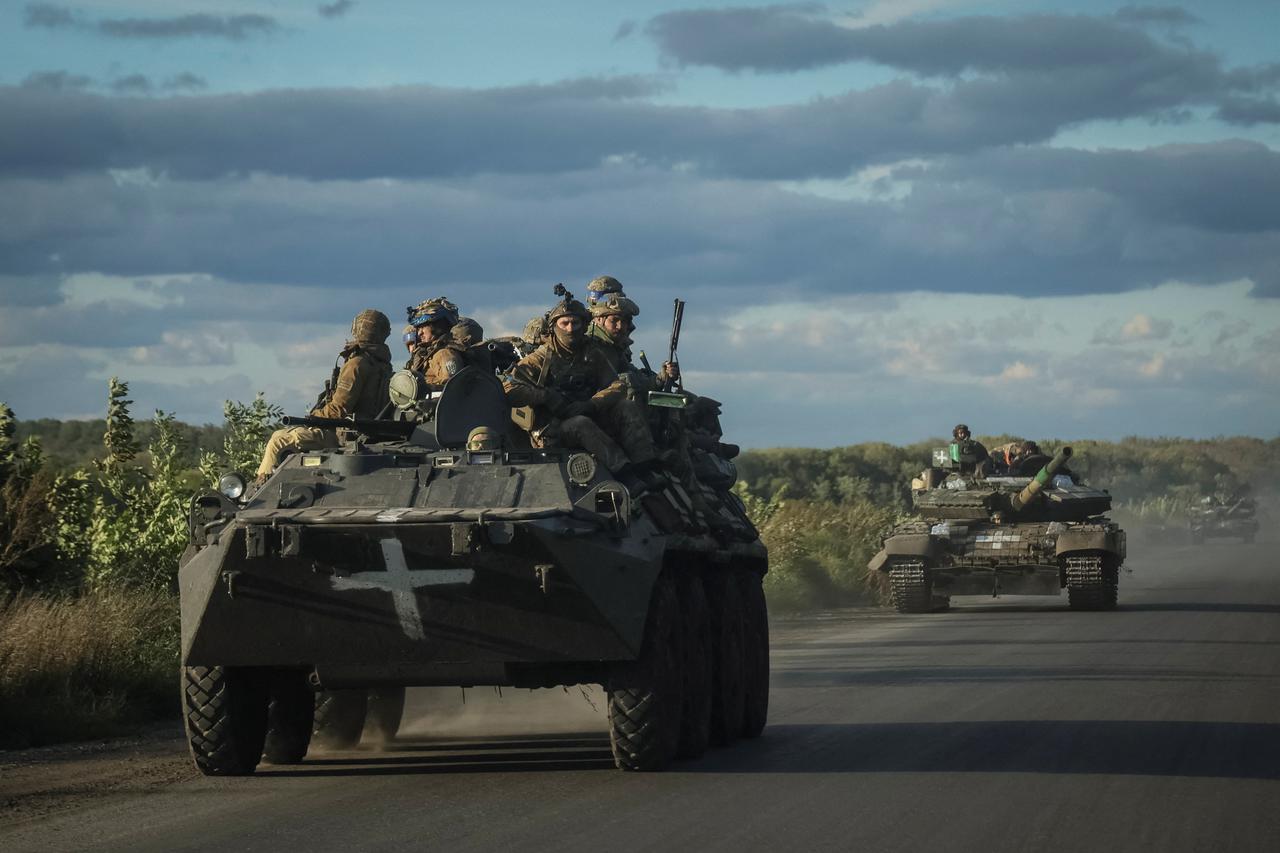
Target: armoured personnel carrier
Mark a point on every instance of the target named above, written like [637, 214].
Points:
[1034, 532]
[1228, 517]
[438, 548]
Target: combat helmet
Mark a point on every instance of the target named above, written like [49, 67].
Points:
[614, 303]
[602, 286]
[567, 306]
[370, 327]
[431, 311]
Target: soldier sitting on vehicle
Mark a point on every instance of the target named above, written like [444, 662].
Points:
[1007, 459]
[969, 452]
[438, 354]
[566, 393]
[357, 388]
[611, 326]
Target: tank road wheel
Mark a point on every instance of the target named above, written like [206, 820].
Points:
[385, 710]
[290, 716]
[339, 718]
[225, 713]
[1091, 583]
[728, 688]
[756, 669]
[646, 696]
[910, 587]
[695, 718]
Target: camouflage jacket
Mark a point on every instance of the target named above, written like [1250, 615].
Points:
[438, 361]
[638, 380]
[359, 386]
[575, 375]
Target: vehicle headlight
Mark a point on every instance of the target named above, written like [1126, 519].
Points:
[231, 485]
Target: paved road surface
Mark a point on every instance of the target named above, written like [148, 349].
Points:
[1005, 725]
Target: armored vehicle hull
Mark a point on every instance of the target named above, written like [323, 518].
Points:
[365, 569]
[1005, 536]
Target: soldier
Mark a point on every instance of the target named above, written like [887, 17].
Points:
[602, 286]
[972, 456]
[576, 400]
[439, 354]
[612, 322]
[358, 388]
[1007, 458]
[410, 339]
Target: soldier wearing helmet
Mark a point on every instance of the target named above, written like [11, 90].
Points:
[969, 452]
[566, 392]
[439, 354]
[612, 323]
[358, 388]
[600, 287]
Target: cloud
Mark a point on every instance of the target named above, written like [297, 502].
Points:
[336, 9]
[1120, 69]
[195, 25]
[1141, 327]
[175, 349]
[56, 81]
[185, 81]
[133, 84]
[1171, 15]
[624, 31]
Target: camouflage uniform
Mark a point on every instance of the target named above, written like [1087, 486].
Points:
[359, 388]
[578, 400]
[439, 360]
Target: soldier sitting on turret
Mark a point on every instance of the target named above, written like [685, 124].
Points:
[357, 388]
[968, 452]
[445, 340]
[567, 393]
[1007, 459]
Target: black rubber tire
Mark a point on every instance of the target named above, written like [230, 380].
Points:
[290, 718]
[755, 707]
[225, 714]
[728, 685]
[646, 696]
[385, 711]
[339, 718]
[695, 718]
[910, 588]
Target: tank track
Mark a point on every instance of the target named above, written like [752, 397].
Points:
[1090, 584]
[909, 587]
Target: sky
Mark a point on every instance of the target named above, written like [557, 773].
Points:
[1048, 219]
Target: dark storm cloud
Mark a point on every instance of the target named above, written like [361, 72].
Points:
[420, 131]
[1171, 15]
[1125, 68]
[336, 9]
[1249, 111]
[1027, 222]
[202, 25]
[133, 84]
[56, 81]
[185, 81]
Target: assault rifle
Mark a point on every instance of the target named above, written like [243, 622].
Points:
[677, 318]
[374, 428]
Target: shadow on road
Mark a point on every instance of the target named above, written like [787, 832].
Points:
[907, 676]
[410, 756]
[1203, 607]
[1108, 747]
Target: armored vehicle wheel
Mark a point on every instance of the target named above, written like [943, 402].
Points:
[385, 710]
[339, 719]
[910, 587]
[756, 669]
[728, 688]
[695, 718]
[1091, 584]
[646, 696]
[290, 716]
[225, 713]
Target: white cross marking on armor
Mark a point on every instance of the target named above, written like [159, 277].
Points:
[400, 582]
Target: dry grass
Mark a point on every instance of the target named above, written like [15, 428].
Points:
[85, 666]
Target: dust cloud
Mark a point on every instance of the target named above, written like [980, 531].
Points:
[451, 712]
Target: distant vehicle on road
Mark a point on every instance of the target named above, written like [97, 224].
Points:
[1034, 532]
[1224, 517]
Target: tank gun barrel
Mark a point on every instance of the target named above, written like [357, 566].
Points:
[368, 426]
[1037, 484]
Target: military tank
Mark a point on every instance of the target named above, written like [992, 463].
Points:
[438, 548]
[1034, 532]
[1219, 517]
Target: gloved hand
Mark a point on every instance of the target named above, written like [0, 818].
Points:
[572, 410]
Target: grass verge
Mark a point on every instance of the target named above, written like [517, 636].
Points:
[79, 667]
